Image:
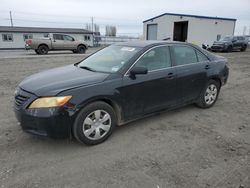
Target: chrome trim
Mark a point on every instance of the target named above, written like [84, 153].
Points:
[168, 45]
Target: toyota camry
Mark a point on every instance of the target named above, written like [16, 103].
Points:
[115, 85]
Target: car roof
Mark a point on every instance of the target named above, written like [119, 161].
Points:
[145, 43]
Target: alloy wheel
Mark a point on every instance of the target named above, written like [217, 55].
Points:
[211, 94]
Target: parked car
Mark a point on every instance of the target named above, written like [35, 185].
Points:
[115, 85]
[230, 43]
[248, 39]
[56, 42]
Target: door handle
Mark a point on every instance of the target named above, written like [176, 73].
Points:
[207, 67]
[170, 75]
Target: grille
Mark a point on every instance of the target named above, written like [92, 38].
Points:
[216, 47]
[20, 100]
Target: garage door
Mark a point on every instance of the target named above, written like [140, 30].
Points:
[152, 32]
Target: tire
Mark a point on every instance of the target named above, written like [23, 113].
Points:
[94, 123]
[229, 49]
[243, 48]
[81, 49]
[36, 51]
[209, 95]
[43, 49]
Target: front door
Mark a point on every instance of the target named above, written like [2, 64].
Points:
[153, 91]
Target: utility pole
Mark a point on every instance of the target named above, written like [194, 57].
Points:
[11, 21]
[92, 28]
[92, 24]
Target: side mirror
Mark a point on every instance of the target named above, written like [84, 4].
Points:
[137, 70]
[234, 40]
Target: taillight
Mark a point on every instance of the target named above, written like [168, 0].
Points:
[29, 41]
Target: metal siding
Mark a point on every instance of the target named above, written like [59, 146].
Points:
[200, 30]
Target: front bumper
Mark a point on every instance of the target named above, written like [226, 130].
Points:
[51, 122]
[218, 48]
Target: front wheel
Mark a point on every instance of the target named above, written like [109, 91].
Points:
[229, 49]
[209, 95]
[94, 123]
[243, 48]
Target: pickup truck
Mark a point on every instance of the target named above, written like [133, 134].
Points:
[56, 42]
[230, 43]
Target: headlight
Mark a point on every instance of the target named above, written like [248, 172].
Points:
[47, 102]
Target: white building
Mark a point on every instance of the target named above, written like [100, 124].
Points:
[14, 37]
[190, 28]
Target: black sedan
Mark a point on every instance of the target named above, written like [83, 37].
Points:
[115, 85]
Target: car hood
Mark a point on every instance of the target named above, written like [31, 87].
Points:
[54, 81]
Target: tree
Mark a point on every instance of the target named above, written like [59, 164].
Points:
[110, 30]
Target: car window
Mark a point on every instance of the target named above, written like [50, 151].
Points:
[68, 38]
[58, 37]
[201, 57]
[157, 58]
[184, 55]
[234, 38]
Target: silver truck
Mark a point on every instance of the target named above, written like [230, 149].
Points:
[54, 42]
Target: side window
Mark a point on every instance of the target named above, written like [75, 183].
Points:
[46, 35]
[201, 57]
[157, 58]
[87, 38]
[184, 55]
[27, 36]
[68, 38]
[58, 37]
[7, 37]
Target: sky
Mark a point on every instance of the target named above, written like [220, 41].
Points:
[126, 15]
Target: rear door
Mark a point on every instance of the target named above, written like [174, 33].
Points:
[58, 42]
[191, 67]
[153, 91]
[69, 43]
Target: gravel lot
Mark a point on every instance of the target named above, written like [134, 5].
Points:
[188, 147]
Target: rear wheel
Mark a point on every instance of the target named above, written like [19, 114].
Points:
[209, 95]
[43, 49]
[94, 123]
[81, 49]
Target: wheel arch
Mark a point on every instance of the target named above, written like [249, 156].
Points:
[43, 44]
[82, 45]
[217, 79]
[116, 107]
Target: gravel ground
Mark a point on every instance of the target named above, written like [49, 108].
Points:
[188, 147]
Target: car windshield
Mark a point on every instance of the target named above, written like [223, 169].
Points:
[226, 39]
[109, 59]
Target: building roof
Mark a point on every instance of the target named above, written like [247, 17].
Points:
[194, 16]
[43, 30]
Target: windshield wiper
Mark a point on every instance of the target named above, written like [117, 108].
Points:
[87, 68]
